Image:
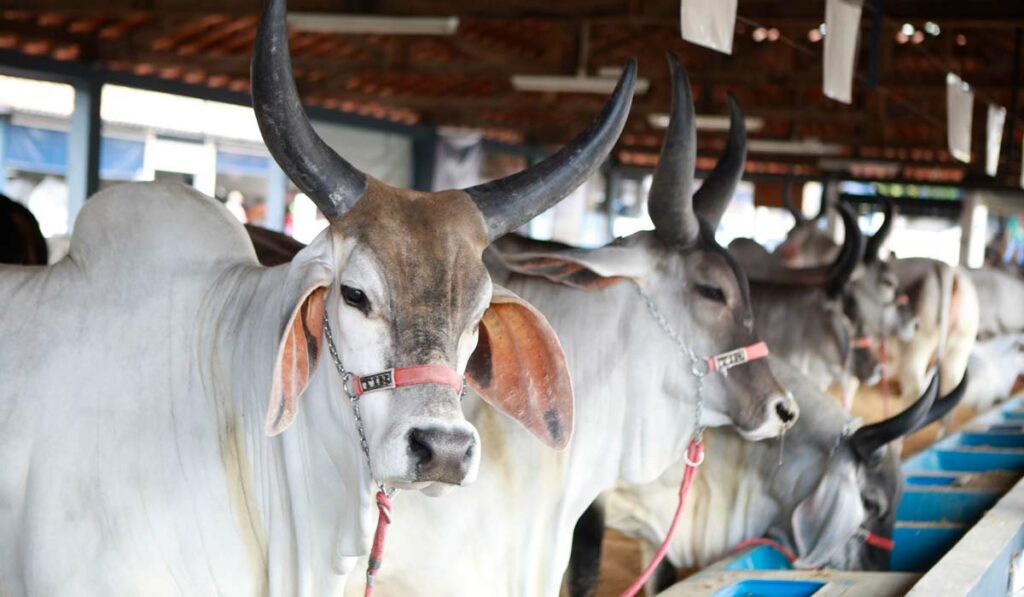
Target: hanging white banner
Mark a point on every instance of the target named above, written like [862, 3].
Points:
[994, 137]
[709, 23]
[959, 116]
[842, 33]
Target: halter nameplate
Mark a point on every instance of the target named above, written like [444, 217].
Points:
[734, 358]
[401, 377]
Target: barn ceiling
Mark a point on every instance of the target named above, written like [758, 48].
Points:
[464, 79]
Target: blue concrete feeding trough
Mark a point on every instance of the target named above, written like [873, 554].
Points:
[771, 588]
[958, 525]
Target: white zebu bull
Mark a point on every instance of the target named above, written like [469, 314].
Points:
[994, 367]
[510, 533]
[818, 492]
[1004, 302]
[942, 301]
[140, 375]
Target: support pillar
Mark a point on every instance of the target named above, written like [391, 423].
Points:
[973, 229]
[277, 189]
[5, 124]
[83, 175]
[830, 195]
[424, 154]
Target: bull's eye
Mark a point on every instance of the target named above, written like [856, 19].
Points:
[711, 293]
[355, 298]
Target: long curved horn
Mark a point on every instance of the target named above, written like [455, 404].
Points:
[944, 404]
[512, 201]
[787, 201]
[712, 198]
[868, 439]
[670, 201]
[330, 181]
[876, 240]
[850, 254]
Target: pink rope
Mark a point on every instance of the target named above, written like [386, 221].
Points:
[694, 456]
[377, 551]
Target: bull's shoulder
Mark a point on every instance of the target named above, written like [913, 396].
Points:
[157, 224]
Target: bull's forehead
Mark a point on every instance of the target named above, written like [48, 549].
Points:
[428, 248]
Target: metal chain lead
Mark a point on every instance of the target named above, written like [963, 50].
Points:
[346, 378]
[698, 366]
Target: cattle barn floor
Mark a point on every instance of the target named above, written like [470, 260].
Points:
[621, 555]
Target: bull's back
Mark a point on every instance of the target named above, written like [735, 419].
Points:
[113, 481]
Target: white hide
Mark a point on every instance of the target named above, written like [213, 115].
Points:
[511, 532]
[994, 367]
[136, 377]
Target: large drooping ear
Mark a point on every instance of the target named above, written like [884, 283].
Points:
[299, 348]
[829, 517]
[520, 369]
[589, 269]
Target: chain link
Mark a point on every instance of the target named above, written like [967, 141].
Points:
[698, 366]
[346, 379]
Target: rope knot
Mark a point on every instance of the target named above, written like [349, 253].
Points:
[384, 506]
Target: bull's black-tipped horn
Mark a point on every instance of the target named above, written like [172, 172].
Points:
[330, 181]
[875, 242]
[850, 254]
[944, 404]
[670, 201]
[789, 204]
[868, 439]
[712, 198]
[512, 201]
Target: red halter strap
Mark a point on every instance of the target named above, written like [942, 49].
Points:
[727, 360]
[864, 342]
[401, 377]
[876, 540]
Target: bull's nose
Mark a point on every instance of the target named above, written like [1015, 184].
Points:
[786, 409]
[441, 455]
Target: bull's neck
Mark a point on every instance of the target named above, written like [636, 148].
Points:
[621, 364]
[730, 499]
[302, 487]
[797, 325]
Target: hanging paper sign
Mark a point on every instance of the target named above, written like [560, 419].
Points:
[994, 137]
[959, 114]
[709, 23]
[842, 33]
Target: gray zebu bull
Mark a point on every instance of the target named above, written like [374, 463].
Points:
[800, 313]
[806, 244]
[142, 373]
[510, 533]
[1004, 302]
[868, 300]
[801, 318]
[923, 282]
[818, 492]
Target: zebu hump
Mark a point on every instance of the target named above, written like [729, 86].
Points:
[161, 225]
